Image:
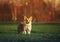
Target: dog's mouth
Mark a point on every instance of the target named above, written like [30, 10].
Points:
[27, 22]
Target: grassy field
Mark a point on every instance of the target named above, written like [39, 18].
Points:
[40, 33]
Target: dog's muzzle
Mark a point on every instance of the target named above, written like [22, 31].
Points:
[27, 22]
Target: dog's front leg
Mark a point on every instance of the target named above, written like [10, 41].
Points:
[24, 31]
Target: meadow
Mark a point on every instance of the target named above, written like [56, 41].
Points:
[44, 32]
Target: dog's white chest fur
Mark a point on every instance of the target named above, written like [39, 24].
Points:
[28, 26]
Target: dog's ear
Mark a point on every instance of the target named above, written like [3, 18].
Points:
[30, 18]
[25, 17]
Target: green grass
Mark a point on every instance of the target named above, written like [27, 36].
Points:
[40, 32]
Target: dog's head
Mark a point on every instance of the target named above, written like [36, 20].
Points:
[27, 20]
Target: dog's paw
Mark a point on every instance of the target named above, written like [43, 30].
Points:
[24, 33]
[29, 33]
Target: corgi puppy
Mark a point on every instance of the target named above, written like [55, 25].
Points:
[27, 25]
